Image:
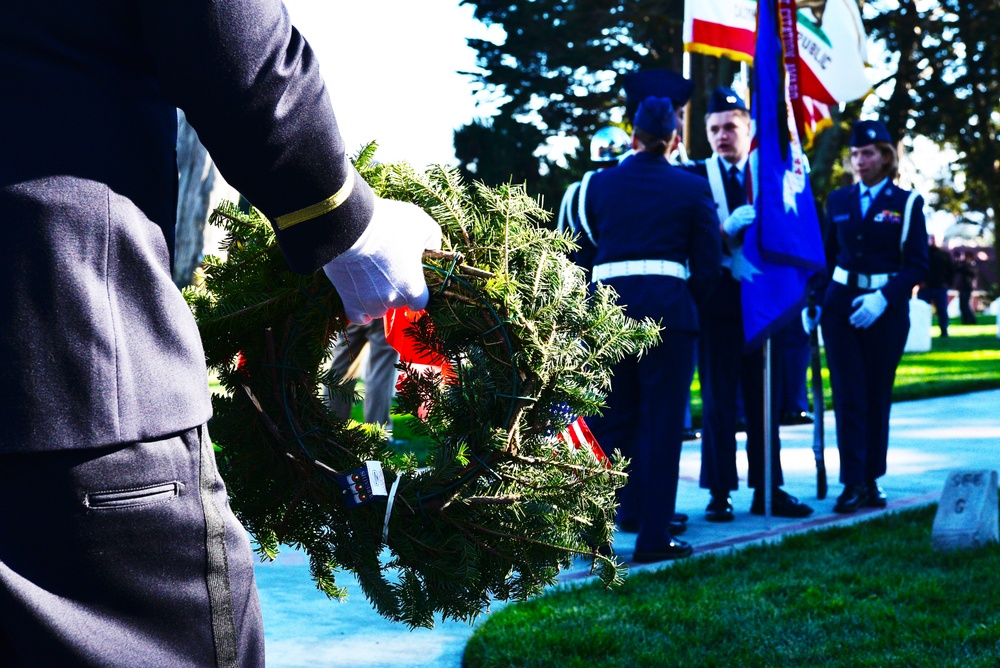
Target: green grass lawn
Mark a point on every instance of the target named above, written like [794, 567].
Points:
[871, 594]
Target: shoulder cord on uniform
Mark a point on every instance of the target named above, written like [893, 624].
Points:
[906, 219]
[565, 209]
[584, 225]
[718, 188]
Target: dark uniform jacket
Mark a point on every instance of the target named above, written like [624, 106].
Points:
[872, 245]
[725, 301]
[98, 345]
[647, 209]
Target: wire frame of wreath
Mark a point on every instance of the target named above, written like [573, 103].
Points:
[451, 277]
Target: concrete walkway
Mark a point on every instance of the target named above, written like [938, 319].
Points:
[928, 439]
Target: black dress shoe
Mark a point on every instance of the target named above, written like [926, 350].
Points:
[680, 517]
[796, 417]
[874, 495]
[852, 498]
[690, 434]
[783, 504]
[674, 548]
[720, 508]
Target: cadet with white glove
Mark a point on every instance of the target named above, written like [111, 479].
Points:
[741, 218]
[876, 245]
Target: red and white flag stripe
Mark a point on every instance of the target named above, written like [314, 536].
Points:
[578, 436]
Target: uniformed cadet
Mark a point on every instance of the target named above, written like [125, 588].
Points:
[658, 247]
[660, 82]
[117, 544]
[724, 366]
[637, 86]
[607, 147]
[876, 246]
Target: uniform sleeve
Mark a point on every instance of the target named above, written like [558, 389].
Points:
[705, 254]
[251, 87]
[915, 258]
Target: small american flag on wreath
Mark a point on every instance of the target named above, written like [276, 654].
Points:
[577, 436]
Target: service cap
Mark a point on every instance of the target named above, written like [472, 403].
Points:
[725, 99]
[656, 116]
[865, 133]
[655, 83]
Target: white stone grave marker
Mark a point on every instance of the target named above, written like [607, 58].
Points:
[967, 513]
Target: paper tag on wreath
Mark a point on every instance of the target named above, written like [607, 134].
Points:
[363, 485]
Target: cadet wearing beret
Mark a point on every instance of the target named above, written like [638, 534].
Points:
[658, 247]
[117, 545]
[724, 366]
[876, 247]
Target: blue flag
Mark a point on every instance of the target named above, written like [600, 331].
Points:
[783, 247]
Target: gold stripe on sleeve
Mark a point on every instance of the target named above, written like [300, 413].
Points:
[318, 209]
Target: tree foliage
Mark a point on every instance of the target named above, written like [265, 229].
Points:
[947, 84]
[557, 75]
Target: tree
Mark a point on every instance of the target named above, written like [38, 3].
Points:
[196, 177]
[557, 74]
[947, 84]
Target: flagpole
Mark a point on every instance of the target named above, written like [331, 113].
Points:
[768, 416]
[686, 72]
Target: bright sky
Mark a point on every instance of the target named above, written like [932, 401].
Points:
[391, 67]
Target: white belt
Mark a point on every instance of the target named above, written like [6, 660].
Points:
[603, 272]
[863, 281]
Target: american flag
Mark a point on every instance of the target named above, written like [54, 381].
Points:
[577, 436]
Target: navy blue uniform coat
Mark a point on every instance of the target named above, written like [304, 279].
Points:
[99, 347]
[863, 362]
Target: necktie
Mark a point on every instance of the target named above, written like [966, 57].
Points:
[735, 194]
[866, 201]
[734, 174]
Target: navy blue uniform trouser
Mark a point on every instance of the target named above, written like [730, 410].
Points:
[725, 368]
[862, 365]
[645, 420]
[124, 556]
[794, 343]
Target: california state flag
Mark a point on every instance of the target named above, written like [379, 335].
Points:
[833, 50]
[833, 47]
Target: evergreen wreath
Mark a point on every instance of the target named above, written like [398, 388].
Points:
[499, 506]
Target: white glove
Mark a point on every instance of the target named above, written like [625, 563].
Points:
[869, 308]
[741, 217]
[383, 269]
[811, 323]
